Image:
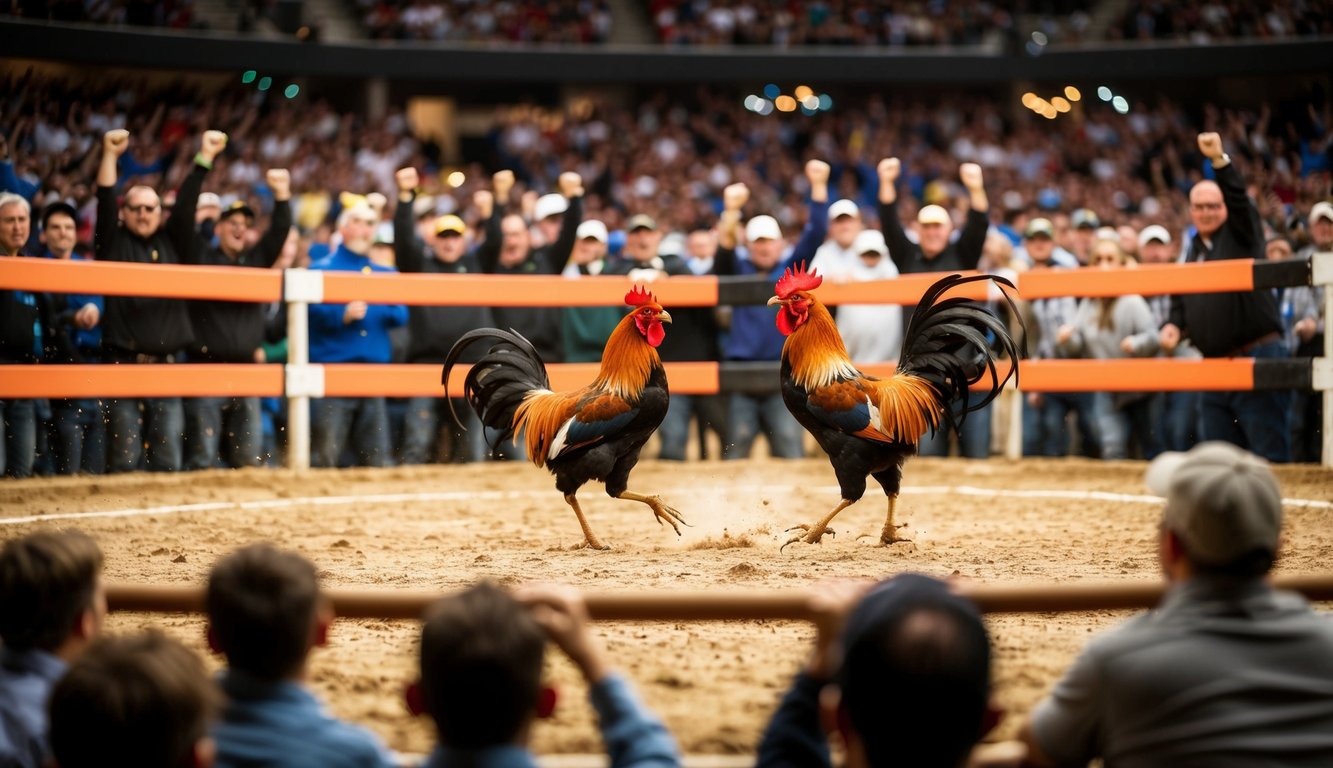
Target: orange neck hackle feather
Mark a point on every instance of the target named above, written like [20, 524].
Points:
[816, 351]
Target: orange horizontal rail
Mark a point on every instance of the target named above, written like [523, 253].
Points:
[1146, 280]
[110, 278]
[181, 380]
[1149, 374]
[352, 380]
[904, 289]
[701, 378]
[510, 290]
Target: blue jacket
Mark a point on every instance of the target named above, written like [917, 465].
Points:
[366, 340]
[754, 330]
[86, 341]
[26, 680]
[634, 737]
[282, 725]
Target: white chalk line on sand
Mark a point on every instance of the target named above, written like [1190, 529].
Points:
[391, 498]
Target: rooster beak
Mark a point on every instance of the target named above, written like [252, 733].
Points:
[774, 300]
[664, 316]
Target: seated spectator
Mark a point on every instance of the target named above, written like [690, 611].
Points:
[1227, 670]
[873, 333]
[265, 614]
[901, 672]
[52, 605]
[481, 668]
[143, 700]
[586, 329]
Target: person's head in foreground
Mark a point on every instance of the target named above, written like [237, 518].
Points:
[51, 594]
[144, 701]
[481, 669]
[265, 611]
[914, 685]
[1223, 513]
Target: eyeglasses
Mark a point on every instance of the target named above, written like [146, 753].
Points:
[1205, 206]
[145, 208]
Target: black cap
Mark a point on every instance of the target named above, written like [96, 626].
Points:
[59, 206]
[235, 208]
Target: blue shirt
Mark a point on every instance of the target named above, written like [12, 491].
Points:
[754, 330]
[84, 339]
[367, 339]
[26, 680]
[634, 737]
[282, 725]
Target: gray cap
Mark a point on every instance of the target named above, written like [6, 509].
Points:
[1222, 501]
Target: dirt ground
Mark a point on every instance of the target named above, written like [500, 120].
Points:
[714, 683]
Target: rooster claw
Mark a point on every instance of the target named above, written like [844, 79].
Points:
[666, 514]
[813, 535]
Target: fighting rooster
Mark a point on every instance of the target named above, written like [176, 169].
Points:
[593, 433]
[868, 425]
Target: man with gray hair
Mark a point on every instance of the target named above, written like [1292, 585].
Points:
[1227, 670]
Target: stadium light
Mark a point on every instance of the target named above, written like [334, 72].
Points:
[1072, 93]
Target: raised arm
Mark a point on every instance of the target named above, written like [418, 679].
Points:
[114, 144]
[972, 240]
[280, 223]
[180, 226]
[900, 248]
[488, 254]
[734, 198]
[816, 226]
[557, 256]
[1242, 216]
[407, 249]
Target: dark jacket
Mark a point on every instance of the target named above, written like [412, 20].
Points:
[960, 255]
[30, 329]
[231, 331]
[433, 330]
[540, 325]
[1221, 323]
[140, 324]
[693, 335]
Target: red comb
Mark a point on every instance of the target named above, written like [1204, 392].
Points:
[797, 279]
[637, 297]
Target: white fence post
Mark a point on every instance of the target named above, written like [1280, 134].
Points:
[1321, 265]
[301, 288]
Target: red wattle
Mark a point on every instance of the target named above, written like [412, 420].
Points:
[655, 333]
[789, 321]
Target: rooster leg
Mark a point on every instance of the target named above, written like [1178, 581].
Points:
[813, 533]
[591, 538]
[660, 510]
[890, 533]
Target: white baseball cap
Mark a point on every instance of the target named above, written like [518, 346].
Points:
[1154, 232]
[594, 229]
[933, 214]
[549, 205]
[761, 227]
[870, 240]
[1321, 210]
[843, 207]
[211, 199]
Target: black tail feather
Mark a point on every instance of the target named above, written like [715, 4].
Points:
[953, 343]
[497, 383]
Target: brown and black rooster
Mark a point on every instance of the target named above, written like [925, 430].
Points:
[867, 425]
[592, 433]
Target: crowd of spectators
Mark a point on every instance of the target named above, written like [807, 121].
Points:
[667, 161]
[487, 21]
[172, 14]
[1204, 21]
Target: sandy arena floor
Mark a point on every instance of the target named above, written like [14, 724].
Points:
[714, 683]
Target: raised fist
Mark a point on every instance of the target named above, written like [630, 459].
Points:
[116, 141]
[1210, 144]
[888, 170]
[502, 182]
[817, 171]
[280, 181]
[407, 179]
[212, 144]
[571, 184]
[735, 196]
[484, 200]
[970, 174]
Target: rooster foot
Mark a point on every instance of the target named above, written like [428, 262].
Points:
[889, 536]
[591, 544]
[666, 514]
[813, 534]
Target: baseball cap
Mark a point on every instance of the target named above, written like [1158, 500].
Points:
[896, 670]
[641, 221]
[1222, 501]
[1321, 210]
[870, 240]
[237, 207]
[549, 205]
[933, 214]
[843, 207]
[1039, 227]
[763, 227]
[423, 206]
[449, 223]
[208, 200]
[1085, 217]
[59, 206]
[594, 229]
[1154, 232]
